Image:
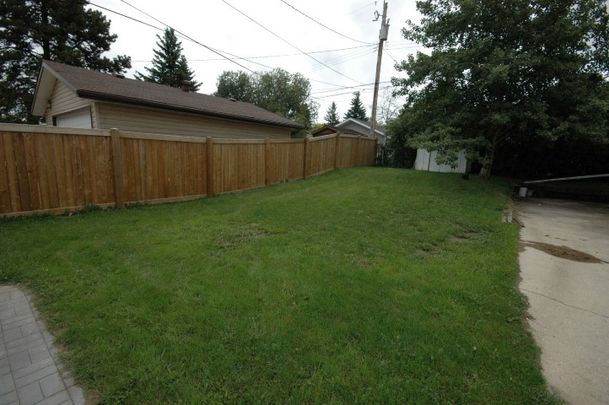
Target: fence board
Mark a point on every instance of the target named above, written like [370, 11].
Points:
[285, 161]
[11, 173]
[321, 156]
[238, 166]
[47, 169]
[5, 193]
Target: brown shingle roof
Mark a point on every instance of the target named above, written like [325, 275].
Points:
[101, 86]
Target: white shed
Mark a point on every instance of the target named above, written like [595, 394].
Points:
[427, 161]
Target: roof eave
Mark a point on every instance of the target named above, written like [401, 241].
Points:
[378, 131]
[134, 101]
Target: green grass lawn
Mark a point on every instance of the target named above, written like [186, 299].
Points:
[362, 285]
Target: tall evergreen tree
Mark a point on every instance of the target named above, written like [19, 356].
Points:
[60, 30]
[332, 116]
[357, 109]
[169, 65]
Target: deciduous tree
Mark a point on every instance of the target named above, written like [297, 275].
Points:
[284, 93]
[236, 85]
[505, 70]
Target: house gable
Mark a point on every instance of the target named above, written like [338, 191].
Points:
[63, 100]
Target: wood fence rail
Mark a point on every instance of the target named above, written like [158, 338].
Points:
[49, 169]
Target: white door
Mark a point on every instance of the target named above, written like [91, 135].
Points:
[75, 119]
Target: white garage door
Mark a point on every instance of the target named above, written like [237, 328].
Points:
[74, 119]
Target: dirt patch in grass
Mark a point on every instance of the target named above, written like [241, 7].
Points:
[465, 235]
[427, 250]
[564, 252]
[240, 234]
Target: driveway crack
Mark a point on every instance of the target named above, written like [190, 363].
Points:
[565, 304]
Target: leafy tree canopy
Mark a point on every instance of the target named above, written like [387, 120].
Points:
[331, 117]
[60, 30]
[284, 93]
[237, 85]
[169, 65]
[504, 70]
[357, 109]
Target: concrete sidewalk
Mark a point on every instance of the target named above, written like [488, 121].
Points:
[30, 371]
[566, 281]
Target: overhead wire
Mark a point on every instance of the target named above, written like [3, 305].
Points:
[348, 92]
[342, 59]
[346, 58]
[322, 24]
[288, 42]
[167, 25]
[281, 55]
[394, 59]
[228, 53]
[349, 87]
[359, 9]
[214, 50]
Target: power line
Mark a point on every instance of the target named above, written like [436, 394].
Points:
[287, 42]
[348, 87]
[345, 58]
[359, 9]
[348, 92]
[388, 54]
[322, 24]
[180, 34]
[217, 52]
[338, 87]
[126, 16]
[281, 55]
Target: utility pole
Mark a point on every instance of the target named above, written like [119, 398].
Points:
[382, 38]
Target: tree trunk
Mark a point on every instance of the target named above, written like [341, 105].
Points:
[46, 45]
[487, 161]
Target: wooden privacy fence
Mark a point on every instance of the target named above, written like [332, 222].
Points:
[49, 169]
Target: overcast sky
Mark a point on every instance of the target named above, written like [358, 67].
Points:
[216, 24]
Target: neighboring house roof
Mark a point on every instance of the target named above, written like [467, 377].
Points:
[95, 85]
[365, 125]
[329, 129]
[324, 129]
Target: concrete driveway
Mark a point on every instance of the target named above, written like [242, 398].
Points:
[565, 276]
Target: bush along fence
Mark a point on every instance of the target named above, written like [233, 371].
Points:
[53, 170]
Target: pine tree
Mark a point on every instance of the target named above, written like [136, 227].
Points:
[332, 116]
[186, 76]
[169, 65]
[357, 110]
[60, 30]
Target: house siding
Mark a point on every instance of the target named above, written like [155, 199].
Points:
[63, 100]
[143, 119]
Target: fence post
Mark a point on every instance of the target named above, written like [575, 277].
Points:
[336, 145]
[304, 159]
[117, 167]
[210, 166]
[267, 161]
